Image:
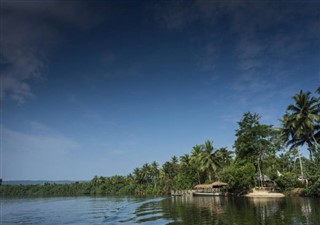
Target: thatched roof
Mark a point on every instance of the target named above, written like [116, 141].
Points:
[218, 184]
[202, 186]
[209, 186]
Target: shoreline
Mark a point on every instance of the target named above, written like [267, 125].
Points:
[265, 195]
[262, 193]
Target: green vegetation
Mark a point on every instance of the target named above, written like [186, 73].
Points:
[260, 152]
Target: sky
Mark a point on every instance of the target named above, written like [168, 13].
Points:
[102, 87]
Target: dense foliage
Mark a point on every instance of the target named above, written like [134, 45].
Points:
[260, 159]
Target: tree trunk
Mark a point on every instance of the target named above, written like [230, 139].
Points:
[315, 141]
[316, 147]
[260, 173]
[299, 155]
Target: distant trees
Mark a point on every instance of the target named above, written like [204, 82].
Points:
[254, 156]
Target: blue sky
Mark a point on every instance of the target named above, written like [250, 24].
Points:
[101, 87]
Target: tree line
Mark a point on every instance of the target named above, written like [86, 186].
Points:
[262, 153]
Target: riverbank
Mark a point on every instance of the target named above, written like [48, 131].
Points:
[264, 195]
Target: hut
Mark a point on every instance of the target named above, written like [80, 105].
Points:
[216, 188]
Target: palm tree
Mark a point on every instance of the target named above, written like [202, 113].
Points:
[196, 153]
[209, 161]
[224, 156]
[289, 137]
[317, 135]
[185, 160]
[174, 160]
[137, 175]
[145, 171]
[155, 173]
[302, 119]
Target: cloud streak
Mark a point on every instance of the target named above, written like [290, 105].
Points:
[263, 34]
[29, 33]
[40, 147]
[40, 139]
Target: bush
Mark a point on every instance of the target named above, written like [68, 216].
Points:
[287, 181]
[239, 176]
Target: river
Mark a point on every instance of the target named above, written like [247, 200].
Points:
[154, 211]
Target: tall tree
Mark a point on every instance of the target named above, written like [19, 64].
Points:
[254, 142]
[208, 160]
[168, 174]
[302, 120]
[224, 156]
[317, 134]
[185, 160]
[187, 176]
[289, 139]
[155, 173]
[196, 153]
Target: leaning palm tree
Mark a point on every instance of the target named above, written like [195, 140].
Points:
[289, 138]
[303, 116]
[317, 135]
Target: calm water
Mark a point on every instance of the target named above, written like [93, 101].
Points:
[175, 210]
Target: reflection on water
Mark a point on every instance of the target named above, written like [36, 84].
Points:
[251, 211]
[174, 210]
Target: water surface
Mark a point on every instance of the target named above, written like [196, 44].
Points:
[173, 210]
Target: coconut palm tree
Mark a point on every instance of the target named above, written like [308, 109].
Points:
[155, 173]
[208, 160]
[289, 137]
[185, 160]
[174, 160]
[302, 118]
[196, 153]
[317, 135]
[137, 174]
[224, 156]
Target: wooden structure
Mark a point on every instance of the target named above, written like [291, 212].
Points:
[215, 189]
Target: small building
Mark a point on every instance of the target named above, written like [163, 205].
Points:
[216, 188]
